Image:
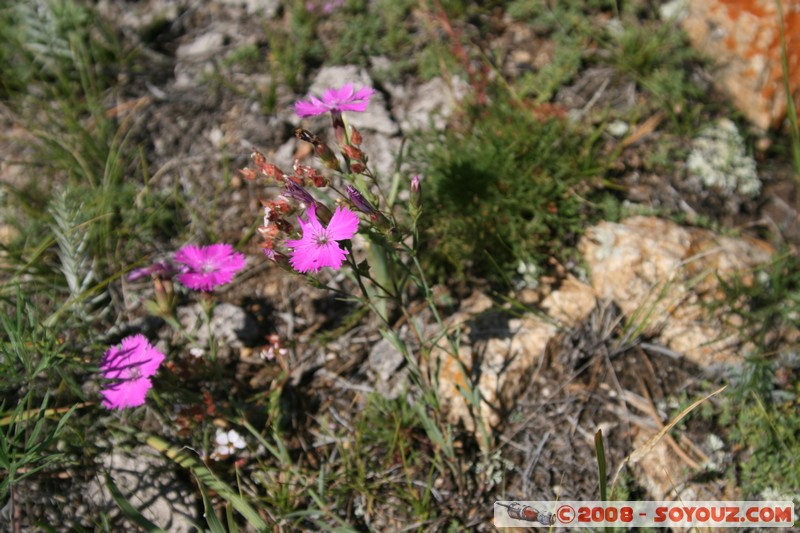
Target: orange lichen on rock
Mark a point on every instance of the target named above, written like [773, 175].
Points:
[744, 39]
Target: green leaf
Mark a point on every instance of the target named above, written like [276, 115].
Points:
[209, 514]
[129, 510]
[207, 477]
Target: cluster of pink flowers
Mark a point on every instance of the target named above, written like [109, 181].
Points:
[129, 366]
[323, 235]
[320, 239]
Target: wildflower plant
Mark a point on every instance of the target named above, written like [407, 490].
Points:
[316, 214]
[129, 366]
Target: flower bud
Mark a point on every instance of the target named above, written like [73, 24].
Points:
[322, 150]
[158, 270]
[353, 152]
[268, 233]
[355, 136]
[327, 156]
[248, 173]
[165, 296]
[298, 193]
[319, 180]
[364, 205]
[274, 209]
[415, 185]
[272, 171]
[416, 193]
[279, 259]
[361, 203]
[357, 167]
[258, 158]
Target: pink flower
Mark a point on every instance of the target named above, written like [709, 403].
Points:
[318, 247]
[129, 367]
[335, 100]
[207, 267]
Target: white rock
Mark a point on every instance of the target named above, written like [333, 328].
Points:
[231, 325]
[203, 46]
[659, 273]
[430, 104]
[618, 128]
[674, 10]
[140, 476]
[268, 8]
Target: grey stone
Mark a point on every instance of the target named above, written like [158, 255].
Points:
[419, 108]
[267, 8]
[232, 328]
[385, 361]
[205, 45]
[153, 490]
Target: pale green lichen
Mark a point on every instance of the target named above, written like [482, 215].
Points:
[719, 160]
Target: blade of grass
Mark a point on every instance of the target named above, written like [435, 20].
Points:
[207, 477]
[129, 510]
[601, 463]
[209, 514]
[639, 453]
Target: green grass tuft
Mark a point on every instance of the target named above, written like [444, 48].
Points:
[505, 187]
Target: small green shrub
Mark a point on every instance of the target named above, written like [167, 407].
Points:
[39, 43]
[505, 187]
[656, 55]
[762, 410]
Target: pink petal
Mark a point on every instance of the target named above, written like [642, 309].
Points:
[359, 101]
[134, 355]
[198, 281]
[343, 224]
[308, 255]
[310, 227]
[304, 258]
[190, 255]
[343, 94]
[209, 266]
[124, 394]
[311, 107]
[330, 255]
